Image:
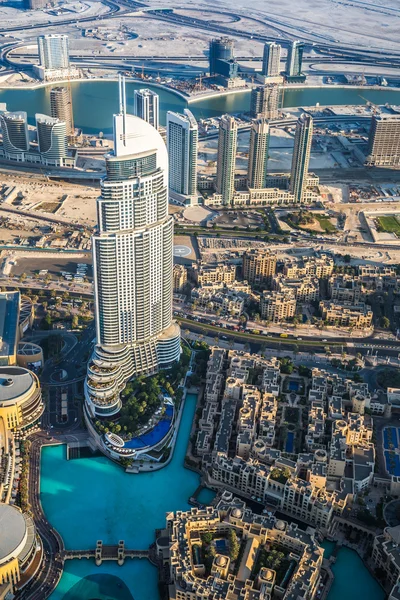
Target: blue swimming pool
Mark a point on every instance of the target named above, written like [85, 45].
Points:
[390, 439]
[392, 462]
[294, 386]
[289, 441]
[155, 435]
[221, 546]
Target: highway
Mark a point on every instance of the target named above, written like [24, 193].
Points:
[333, 50]
[312, 343]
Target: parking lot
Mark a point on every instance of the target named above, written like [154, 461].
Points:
[54, 265]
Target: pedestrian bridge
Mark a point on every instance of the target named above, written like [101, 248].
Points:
[102, 552]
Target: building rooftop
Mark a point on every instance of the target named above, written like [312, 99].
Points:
[9, 317]
[13, 532]
[14, 382]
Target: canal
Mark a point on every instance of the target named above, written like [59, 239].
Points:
[352, 578]
[94, 102]
[92, 498]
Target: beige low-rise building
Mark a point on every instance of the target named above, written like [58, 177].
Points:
[259, 267]
[179, 276]
[386, 556]
[358, 316]
[305, 289]
[230, 577]
[277, 306]
[224, 274]
[346, 288]
[314, 266]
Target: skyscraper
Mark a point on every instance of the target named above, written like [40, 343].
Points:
[182, 145]
[227, 145]
[258, 154]
[61, 107]
[301, 156]
[294, 59]
[220, 50]
[264, 102]
[14, 126]
[384, 141]
[133, 262]
[34, 4]
[271, 59]
[53, 51]
[52, 139]
[146, 106]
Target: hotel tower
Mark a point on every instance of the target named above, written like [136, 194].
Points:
[133, 262]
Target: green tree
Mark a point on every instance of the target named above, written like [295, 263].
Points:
[47, 322]
[207, 537]
[234, 546]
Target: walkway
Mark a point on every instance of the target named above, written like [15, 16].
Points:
[50, 573]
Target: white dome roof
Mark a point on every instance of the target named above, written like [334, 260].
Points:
[137, 138]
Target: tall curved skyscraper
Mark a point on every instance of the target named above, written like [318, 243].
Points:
[133, 262]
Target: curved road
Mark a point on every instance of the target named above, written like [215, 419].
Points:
[52, 567]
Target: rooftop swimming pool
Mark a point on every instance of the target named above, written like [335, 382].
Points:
[289, 441]
[155, 435]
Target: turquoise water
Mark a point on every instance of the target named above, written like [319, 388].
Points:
[95, 102]
[328, 548]
[352, 578]
[82, 580]
[206, 496]
[93, 499]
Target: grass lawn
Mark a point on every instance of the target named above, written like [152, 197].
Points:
[325, 223]
[389, 225]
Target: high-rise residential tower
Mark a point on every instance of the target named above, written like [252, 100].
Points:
[182, 145]
[52, 139]
[271, 59]
[301, 156]
[61, 107]
[220, 50]
[132, 264]
[264, 101]
[14, 126]
[34, 4]
[226, 160]
[53, 51]
[294, 59]
[384, 141]
[146, 106]
[258, 154]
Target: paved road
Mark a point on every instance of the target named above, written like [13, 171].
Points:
[50, 573]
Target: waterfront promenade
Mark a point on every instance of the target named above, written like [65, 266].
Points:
[52, 567]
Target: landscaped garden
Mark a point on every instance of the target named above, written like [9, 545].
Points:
[388, 224]
[213, 543]
[275, 558]
[143, 396]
